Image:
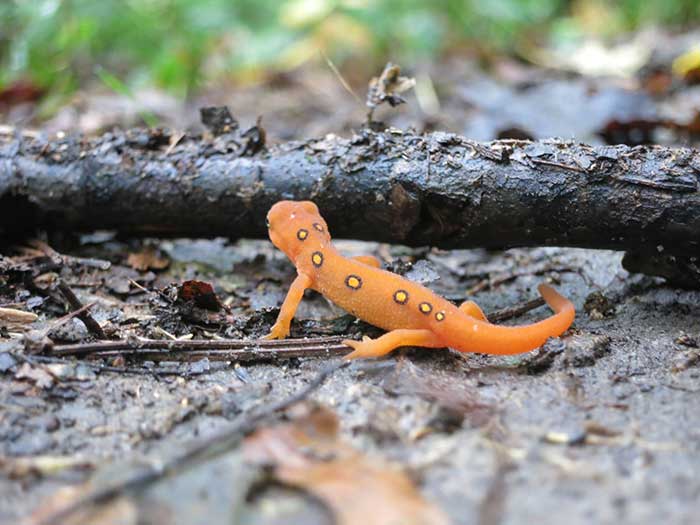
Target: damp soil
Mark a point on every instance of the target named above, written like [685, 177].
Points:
[599, 425]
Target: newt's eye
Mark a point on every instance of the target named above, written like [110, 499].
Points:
[267, 223]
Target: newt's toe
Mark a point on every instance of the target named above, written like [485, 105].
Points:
[364, 348]
[277, 332]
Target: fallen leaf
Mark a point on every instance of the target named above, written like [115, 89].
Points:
[118, 511]
[306, 453]
[253, 139]
[40, 377]
[687, 65]
[218, 119]
[20, 92]
[148, 259]
[200, 293]
[457, 399]
[41, 465]
[11, 315]
[388, 87]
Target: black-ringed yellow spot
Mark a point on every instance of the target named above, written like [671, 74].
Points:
[353, 282]
[302, 234]
[401, 296]
[317, 227]
[317, 259]
[425, 308]
[440, 316]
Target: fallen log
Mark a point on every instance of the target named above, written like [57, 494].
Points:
[438, 189]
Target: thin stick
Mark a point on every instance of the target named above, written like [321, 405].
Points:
[98, 367]
[256, 348]
[340, 78]
[515, 311]
[207, 448]
[70, 315]
[238, 349]
[88, 320]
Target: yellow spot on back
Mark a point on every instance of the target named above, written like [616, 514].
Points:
[317, 258]
[440, 316]
[401, 296]
[302, 234]
[426, 308]
[353, 282]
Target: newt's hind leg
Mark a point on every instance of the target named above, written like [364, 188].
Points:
[391, 340]
[472, 310]
[369, 260]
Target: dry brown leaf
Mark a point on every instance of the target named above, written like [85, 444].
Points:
[458, 399]
[10, 315]
[388, 87]
[200, 293]
[306, 453]
[19, 467]
[148, 259]
[119, 511]
[37, 375]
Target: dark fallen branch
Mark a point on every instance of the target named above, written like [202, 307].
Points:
[439, 189]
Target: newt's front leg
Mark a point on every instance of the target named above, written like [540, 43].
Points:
[280, 329]
[391, 340]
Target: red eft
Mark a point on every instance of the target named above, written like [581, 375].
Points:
[411, 313]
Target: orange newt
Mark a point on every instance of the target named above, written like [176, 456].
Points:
[412, 314]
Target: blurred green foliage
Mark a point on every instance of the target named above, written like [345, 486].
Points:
[181, 44]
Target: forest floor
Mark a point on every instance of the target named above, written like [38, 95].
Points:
[598, 426]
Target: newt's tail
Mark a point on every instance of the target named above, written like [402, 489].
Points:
[470, 335]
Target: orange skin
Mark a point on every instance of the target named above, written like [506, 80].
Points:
[412, 314]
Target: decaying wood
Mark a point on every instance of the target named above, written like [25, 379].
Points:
[438, 189]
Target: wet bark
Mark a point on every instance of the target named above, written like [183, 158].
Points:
[440, 189]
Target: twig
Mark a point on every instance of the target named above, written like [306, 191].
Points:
[107, 368]
[215, 350]
[340, 78]
[205, 449]
[493, 281]
[68, 260]
[93, 326]
[237, 349]
[37, 341]
[515, 311]
[70, 315]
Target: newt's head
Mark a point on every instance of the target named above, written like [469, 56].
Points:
[296, 226]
